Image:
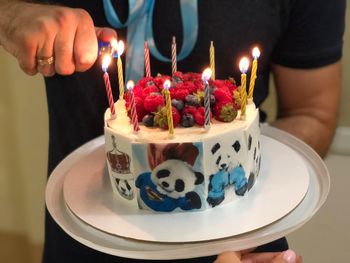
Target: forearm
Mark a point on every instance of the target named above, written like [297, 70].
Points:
[309, 129]
[308, 102]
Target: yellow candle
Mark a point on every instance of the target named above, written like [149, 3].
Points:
[120, 49]
[243, 66]
[212, 60]
[256, 55]
[168, 106]
[120, 78]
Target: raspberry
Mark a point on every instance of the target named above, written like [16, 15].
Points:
[146, 81]
[225, 112]
[152, 102]
[199, 116]
[189, 109]
[148, 90]
[222, 96]
[179, 94]
[176, 116]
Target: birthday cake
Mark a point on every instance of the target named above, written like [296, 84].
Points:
[190, 145]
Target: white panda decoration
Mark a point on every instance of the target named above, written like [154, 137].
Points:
[124, 188]
[172, 184]
[228, 172]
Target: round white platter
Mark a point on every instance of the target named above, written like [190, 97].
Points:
[286, 222]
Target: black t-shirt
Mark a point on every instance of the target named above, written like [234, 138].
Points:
[293, 33]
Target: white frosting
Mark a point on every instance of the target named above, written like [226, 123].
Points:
[122, 125]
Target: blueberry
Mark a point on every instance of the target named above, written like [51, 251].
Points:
[192, 100]
[178, 104]
[187, 120]
[147, 120]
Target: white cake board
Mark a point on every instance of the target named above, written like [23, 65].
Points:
[112, 244]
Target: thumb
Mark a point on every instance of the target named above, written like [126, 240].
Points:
[288, 256]
[105, 34]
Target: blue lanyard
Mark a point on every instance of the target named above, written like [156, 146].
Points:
[139, 24]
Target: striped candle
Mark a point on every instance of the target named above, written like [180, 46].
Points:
[147, 61]
[105, 63]
[212, 60]
[205, 77]
[173, 56]
[243, 66]
[133, 113]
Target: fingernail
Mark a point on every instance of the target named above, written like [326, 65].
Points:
[290, 256]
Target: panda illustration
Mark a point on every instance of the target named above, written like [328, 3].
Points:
[124, 188]
[256, 160]
[228, 172]
[170, 185]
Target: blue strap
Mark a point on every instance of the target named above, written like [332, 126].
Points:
[140, 29]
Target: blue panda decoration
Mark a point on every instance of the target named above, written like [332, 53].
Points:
[169, 186]
[229, 173]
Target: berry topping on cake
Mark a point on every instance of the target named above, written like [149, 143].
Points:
[187, 93]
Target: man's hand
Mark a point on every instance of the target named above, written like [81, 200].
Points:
[35, 31]
[288, 256]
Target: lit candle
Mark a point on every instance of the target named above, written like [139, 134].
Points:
[205, 77]
[147, 62]
[243, 66]
[119, 47]
[133, 113]
[168, 106]
[256, 55]
[212, 60]
[105, 63]
[173, 56]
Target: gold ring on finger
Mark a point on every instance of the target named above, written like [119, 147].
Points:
[45, 61]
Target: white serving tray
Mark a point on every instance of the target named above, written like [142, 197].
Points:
[310, 197]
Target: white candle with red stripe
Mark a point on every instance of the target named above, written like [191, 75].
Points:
[147, 61]
[105, 63]
[132, 107]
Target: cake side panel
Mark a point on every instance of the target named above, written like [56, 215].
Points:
[169, 176]
[120, 166]
[252, 136]
[226, 161]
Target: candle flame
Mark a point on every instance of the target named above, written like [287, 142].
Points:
[206, 74]
[167, 84]
[120, 48]
[106, 61]
[130, 85]
[114, 43]
[256, 53]
[244, 65]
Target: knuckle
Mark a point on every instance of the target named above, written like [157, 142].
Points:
[43, 26]
[85, 62]
[63, 17]
[84, 16]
